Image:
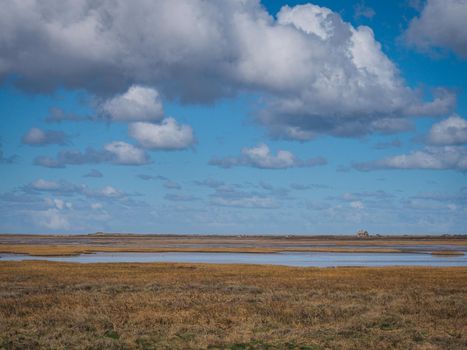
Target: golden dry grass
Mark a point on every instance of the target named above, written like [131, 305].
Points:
[447, 252]
[161, 240]
[45, 305]
[69, 250]
[56, 245]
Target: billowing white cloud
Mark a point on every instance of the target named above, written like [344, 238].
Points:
[53, 219]
[168, 135]
[56, 216]
[317, 73]
[58, 203]
[126, 154]
[450, 131]
[261, 157]
[438, 158]
[354, 88]
[139, 103]
[441, 24]
[445, 150]
[39, 137]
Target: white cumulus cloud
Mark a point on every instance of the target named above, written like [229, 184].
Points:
[168, 135]
[317, 74]
[450, 131]
[437, 158]
[261, 157]
[126, 154]
[441, 24]
[53, 219]
[139, 103]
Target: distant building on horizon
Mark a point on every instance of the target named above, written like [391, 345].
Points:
[363, 234]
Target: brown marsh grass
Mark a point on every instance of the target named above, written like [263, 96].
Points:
[270, 241]
[447, 252]
[56, 245]
[69, 250]
[46, 305]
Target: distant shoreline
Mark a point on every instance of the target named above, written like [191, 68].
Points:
[248, 236]
[69, 245]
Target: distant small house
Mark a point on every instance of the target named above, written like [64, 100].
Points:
[363, 234]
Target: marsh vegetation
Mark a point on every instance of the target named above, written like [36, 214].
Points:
[195, 306]
[66, 245]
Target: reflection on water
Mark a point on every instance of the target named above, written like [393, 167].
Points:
[286, 258]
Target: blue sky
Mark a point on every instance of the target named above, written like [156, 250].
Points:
[272, 117]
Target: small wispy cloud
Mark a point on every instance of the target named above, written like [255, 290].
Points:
[117, 152]
[39, 137]
[262, 157]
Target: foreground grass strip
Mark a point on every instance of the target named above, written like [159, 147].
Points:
[47, 305]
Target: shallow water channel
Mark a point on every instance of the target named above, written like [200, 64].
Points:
[303, 259]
